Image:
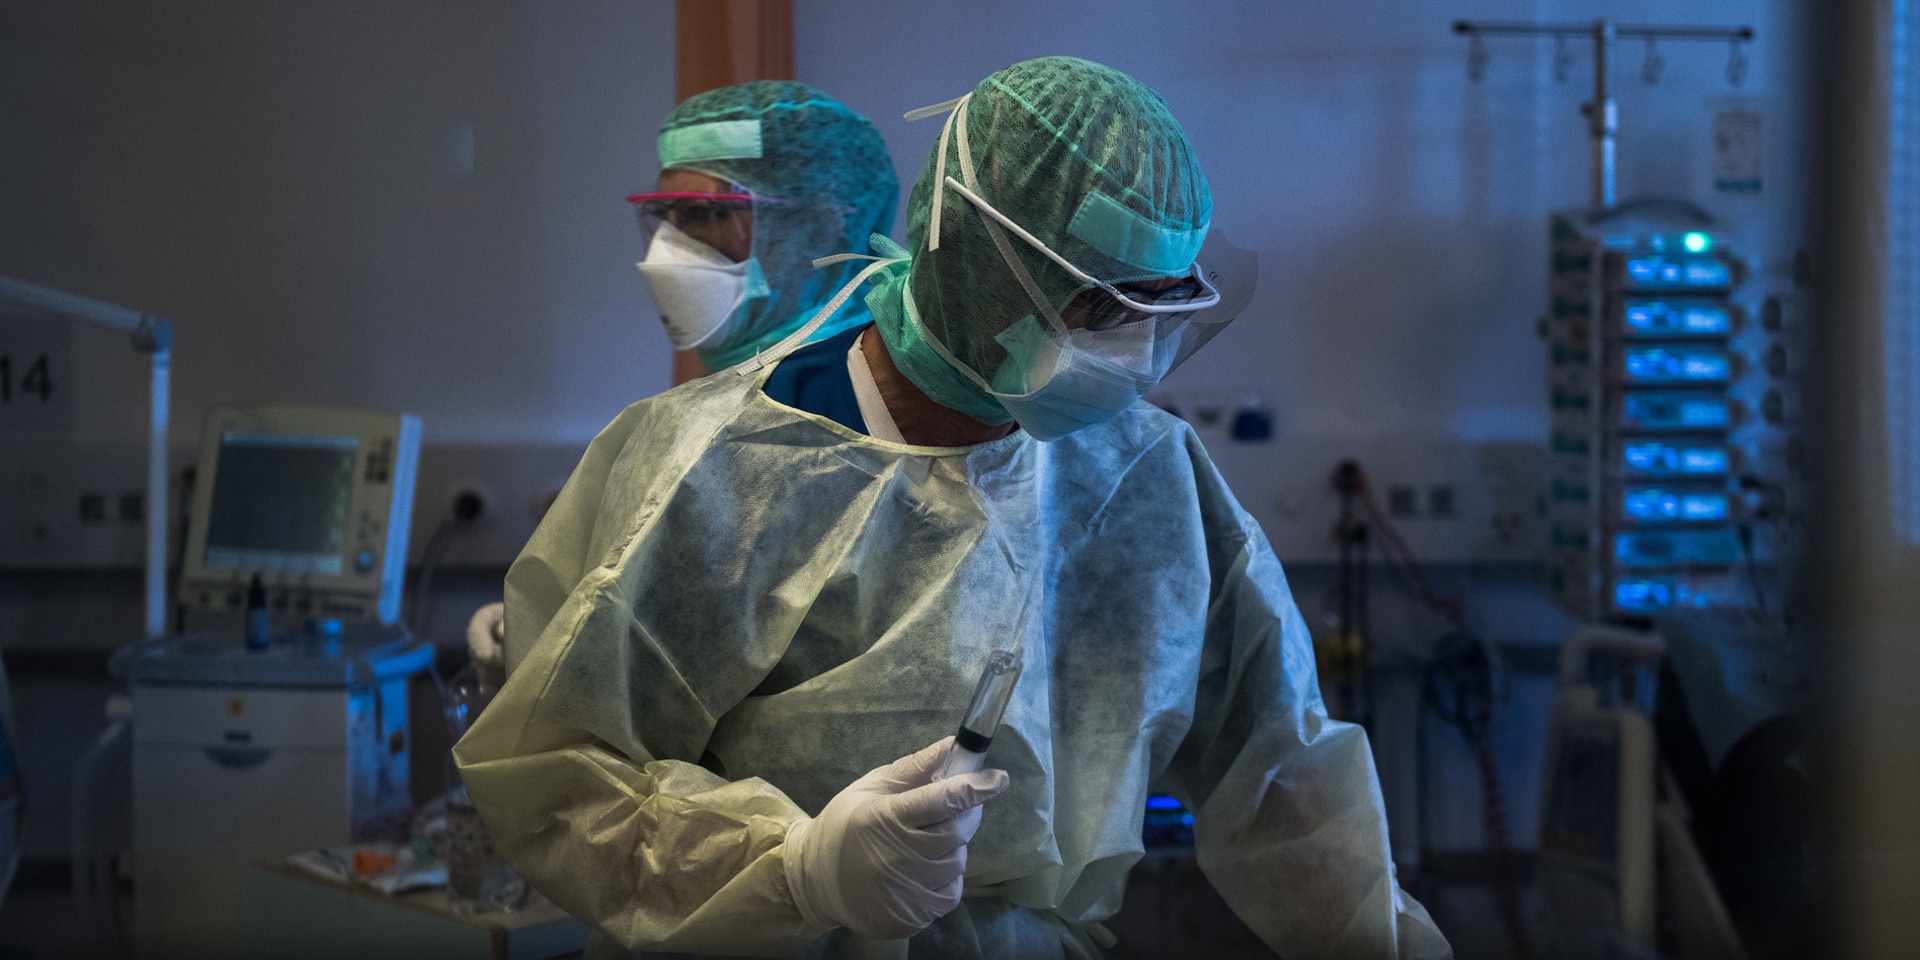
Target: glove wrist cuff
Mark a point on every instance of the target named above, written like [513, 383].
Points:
[794, 858]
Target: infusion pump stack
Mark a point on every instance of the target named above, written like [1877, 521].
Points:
[1675, 478]
[278, 723]
[1673, 447]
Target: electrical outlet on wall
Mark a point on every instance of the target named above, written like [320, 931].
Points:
[66, 506]
[510, 481]
[1403, 502]
[1451, 501]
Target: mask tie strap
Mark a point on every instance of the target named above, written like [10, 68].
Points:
[969, 178]
[944, 106]
[957, 117]
[793, 340]
[955, 108]
[964, 148]
[939, 185]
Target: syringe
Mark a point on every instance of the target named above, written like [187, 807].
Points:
[989, 704]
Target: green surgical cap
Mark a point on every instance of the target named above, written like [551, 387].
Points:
[822, 183]
[1087, 159]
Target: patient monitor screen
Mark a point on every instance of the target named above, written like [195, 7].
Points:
[281, 502]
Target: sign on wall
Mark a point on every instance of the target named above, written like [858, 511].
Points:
[36, 377]
[1736, 151]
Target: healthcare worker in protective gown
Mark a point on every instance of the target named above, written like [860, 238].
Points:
[739, 638]
[756, 180]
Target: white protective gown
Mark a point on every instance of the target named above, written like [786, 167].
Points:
[736, 608]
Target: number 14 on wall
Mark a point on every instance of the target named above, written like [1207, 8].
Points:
[26, 378]
[37, 387]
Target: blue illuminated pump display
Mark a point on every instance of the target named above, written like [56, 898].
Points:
[1662, 505]
[1677, 411]
[1676, 548]
[1678, 318]
[1677, 365]
[1167, 823]
[1678, 262]
[1644, 595]
[1661, 272]
[1648, 595]
[1668, 458]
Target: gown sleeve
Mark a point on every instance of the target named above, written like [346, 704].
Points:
[1289, 823]
[585, 766]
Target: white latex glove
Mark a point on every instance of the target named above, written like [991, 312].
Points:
[886, 856]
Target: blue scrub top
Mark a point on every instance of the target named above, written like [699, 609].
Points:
[814, 378]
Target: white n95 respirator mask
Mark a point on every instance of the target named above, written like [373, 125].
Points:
[697, 288]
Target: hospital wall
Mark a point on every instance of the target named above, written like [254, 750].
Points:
[1398, 206]
[414, 206]
[419, 207]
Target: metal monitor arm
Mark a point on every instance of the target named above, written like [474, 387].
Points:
[152, 336]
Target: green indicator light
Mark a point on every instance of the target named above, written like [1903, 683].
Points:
[1697, 242]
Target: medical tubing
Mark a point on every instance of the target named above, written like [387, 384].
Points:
[1493, 811]
[1460, 687]
[419, 602]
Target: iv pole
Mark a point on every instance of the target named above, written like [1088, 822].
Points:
[153, 336]
[1603, 111]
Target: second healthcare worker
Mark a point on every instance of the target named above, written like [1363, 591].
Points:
[756, 180]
